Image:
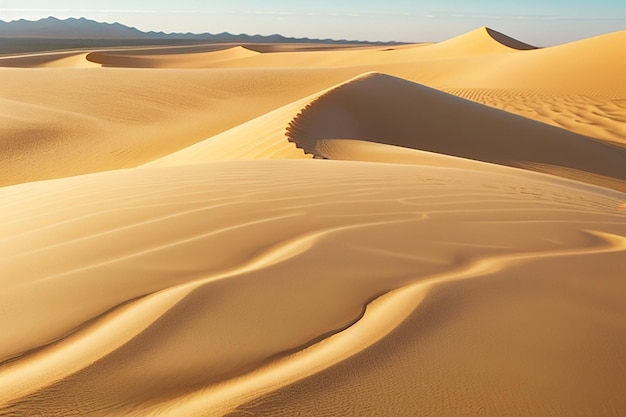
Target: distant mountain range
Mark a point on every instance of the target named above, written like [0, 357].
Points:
[82, 28]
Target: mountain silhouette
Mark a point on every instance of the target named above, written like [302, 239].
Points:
[82, 28]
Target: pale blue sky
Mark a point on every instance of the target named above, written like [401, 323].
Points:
[542, 22]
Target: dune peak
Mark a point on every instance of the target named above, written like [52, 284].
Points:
[483, 40]
[507, 40]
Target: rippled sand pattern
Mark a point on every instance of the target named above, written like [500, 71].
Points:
[422, 230]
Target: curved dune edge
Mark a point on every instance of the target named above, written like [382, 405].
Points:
[90, 342]
[408, 128]
[50, 60]
[451, 343]
[141, 57]
[380, 318]
[84, 121]
[170, 60]
[260, 138]
[264, 138]
[32, 372]
[384, 109]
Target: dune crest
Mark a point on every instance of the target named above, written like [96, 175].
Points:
[49, 60]
[589, 67]
[477, 42]
[143, 114]
[389, 110]
[169, 60]
[345, 121]
[507, 40]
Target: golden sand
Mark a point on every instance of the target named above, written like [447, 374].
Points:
[423, 230]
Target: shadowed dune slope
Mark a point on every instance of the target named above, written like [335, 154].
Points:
[389, 110]
[508, 41]
[189, 291]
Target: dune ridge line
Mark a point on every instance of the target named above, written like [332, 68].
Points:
[380, 317]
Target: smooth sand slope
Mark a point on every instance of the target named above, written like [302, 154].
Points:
[450, 258]
[161, 285]
[57, 122]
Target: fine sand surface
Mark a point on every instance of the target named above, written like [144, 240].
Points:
[416, 230]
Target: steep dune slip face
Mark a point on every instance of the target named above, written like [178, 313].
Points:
[384, 109]
[239, 286]
[507, 40]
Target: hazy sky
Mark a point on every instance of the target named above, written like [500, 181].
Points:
[542, 22]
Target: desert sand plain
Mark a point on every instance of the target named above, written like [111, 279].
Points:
[419, 230]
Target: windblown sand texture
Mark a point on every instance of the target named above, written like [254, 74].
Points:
[422, 230]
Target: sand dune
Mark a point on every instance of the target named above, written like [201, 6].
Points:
[480, 42]
[598, 117]
[556, 69]
[152, 288]
[478, 60]
[49, 60]
[229, 269]
[109, 118]
[389, 110]
[483, 40]
[260, 138]
[171, 60]
[585, 102]
[486, 60]
[382, 109]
